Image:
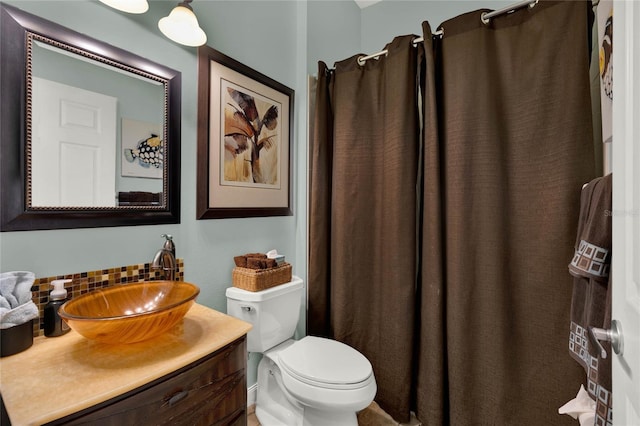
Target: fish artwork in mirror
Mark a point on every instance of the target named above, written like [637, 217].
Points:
[90, 132]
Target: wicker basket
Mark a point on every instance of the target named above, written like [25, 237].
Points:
[257, 280]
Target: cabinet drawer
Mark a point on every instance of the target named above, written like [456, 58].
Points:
[211, 391]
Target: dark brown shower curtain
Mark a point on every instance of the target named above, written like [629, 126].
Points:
[507, 145]
[364, 171]
[503, 173]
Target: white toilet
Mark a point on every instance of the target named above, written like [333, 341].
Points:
[312, 381]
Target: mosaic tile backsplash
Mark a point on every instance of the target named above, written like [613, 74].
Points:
[85, 282]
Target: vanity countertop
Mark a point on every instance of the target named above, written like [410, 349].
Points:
[62, 375]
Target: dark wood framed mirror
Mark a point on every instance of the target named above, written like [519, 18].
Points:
[90, 133]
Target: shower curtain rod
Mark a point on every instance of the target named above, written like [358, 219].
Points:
[485, 18]
[362, 59]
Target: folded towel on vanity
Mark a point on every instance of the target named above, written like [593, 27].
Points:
[19, 315]
[591, 298]
[16, 306]
[15, 286]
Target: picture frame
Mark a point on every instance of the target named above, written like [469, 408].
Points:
[245, 131]
[141, 144]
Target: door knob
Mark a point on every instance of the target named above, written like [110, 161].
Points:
[613, 335]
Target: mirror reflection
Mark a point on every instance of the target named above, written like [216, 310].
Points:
[90, 132]
[97, 131]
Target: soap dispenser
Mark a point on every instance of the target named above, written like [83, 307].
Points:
[54, 325]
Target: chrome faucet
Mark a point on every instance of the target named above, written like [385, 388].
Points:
[165, 258]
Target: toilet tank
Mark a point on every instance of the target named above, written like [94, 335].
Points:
[274, 313]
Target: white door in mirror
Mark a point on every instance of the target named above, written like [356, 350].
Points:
[73, 146]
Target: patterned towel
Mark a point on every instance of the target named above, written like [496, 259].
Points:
[591, 300]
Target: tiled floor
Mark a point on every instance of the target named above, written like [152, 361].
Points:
[373, 415]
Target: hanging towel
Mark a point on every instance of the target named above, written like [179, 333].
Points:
[16, 306]
[591, 299]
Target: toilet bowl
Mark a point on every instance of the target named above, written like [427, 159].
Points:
[313, 381]
[295, 389]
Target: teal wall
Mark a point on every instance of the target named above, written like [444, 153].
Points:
[266, 36]
[333, 30]
[282, 39]
[263, 36]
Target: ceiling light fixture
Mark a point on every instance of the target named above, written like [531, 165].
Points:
[129, 6]
[182, 26]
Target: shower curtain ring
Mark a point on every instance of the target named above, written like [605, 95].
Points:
[486, 17]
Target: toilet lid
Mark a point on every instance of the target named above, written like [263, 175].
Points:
[325, 362]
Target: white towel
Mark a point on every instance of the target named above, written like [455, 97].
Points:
[16, 287]
[582, 408]
[16, 306]
[20, 315]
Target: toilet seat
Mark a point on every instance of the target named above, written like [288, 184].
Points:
[325, 363]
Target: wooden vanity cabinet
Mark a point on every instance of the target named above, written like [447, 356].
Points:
[210, 391]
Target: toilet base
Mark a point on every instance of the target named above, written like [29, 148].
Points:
[274, 407]
[326, 418]
[310, 418]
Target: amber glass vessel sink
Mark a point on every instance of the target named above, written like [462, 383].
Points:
[129, 313]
